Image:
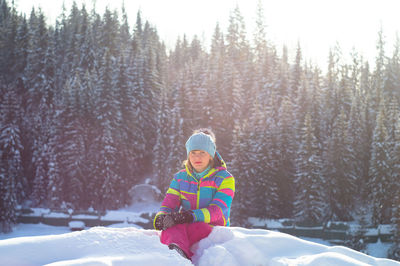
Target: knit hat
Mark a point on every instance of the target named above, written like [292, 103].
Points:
[200, 141]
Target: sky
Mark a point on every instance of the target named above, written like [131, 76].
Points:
[318, 25]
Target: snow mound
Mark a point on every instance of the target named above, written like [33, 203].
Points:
[132, 246]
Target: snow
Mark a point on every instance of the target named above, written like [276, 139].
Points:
[123, 216]
[133, 246]
[23, 230]
[378, 249]
[386, 228]
[76, 225]
[268, 223]
[129, 244]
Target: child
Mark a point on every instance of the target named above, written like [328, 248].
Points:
[198, 197]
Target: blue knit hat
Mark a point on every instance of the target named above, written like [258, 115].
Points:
[200, 141]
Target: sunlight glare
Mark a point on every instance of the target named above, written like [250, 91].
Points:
[317, 25]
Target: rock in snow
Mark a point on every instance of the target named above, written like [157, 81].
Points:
[132, 246]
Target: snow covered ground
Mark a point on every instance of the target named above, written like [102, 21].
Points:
[127, 245]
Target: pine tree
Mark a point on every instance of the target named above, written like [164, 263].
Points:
[110, 33]
[395, 67]
[392, 111]
[231, 88]
[39, 107]
[356, 138]
[285, 167]
[315, 103]
[246, 182]
[394, 252]
[106, 176]
[7, 200]
[296, 73]
[12, 137]
[149, 84]
[330, 98]
[178, 138]
[10, 49]
[270, 149]
[39, 43]
[237, 167]
[237, 74]
[198, 84]
[216, 90]
[74, 40]
[163, 147]
[340, 183]
[237, 45]
[355, 70]
[366, 114]
[7, 39]
[124, 36]
[86, 55]
[264, 171]
[395, 163]
[10, 161]
[131, 142]
[380, 172]
[344, 95]
[377, 92]
[261, 54]
[55, 184]
[310, 198]
[215, 77]
[72, 150]
[21, 47]
[260, 43]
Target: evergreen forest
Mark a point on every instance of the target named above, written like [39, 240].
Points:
[91, 106]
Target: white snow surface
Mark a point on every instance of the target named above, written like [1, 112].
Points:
[133, 246]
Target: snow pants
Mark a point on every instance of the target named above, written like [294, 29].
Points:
[185, 235]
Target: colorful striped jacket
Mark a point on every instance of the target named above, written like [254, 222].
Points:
[209, 198]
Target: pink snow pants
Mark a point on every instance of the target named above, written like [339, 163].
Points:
[185, 235]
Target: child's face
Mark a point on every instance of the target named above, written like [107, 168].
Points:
[199, 160]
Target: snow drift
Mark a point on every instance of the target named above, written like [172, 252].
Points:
[132, 246]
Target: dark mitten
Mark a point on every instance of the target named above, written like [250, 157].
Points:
[159, 222]
[168, 221]
[182, 217]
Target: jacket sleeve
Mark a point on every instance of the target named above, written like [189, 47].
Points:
[171, 200]
[218, 212]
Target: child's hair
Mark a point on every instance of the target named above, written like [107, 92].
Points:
[215, 162]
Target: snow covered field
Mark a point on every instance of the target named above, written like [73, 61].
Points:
[134, 246]
[128, 244]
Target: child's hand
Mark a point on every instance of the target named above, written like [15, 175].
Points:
[182, 217]
[168, 221]
[159, 222]
[164, 221]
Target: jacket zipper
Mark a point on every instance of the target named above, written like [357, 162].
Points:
[198, 195]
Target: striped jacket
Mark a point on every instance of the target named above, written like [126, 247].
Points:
[209, 198]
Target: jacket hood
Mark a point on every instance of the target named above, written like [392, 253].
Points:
[223, 164]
